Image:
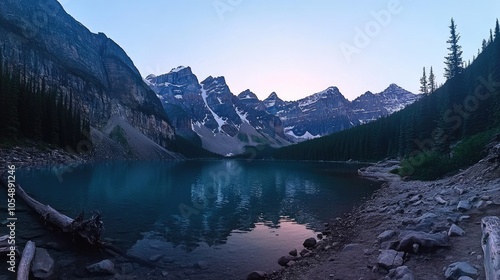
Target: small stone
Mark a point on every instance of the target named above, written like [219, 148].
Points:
[455, 231]
[402, 272]
[293, 252]
[320, 236]
[386, 235]
[415, 248]
[350, 247]
[463, 205]
[102, 267]
[304, 252]
[415, 198]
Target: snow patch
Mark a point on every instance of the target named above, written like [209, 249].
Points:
[178, 96]
[219, 120]
[175, 70]
[306, 135]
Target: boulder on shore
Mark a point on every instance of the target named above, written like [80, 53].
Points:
[310, 242]
[423, 239]
[458, 269]
[389, 259]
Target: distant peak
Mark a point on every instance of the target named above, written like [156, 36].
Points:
[247, 94]
[393, 86]
[273, 95]
[216, 80]
[179, 68]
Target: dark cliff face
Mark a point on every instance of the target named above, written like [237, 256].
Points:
[40, 37]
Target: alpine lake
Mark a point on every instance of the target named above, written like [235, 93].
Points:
[213, 219]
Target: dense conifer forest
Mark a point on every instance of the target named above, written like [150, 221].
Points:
[445, 130]
[29, 110]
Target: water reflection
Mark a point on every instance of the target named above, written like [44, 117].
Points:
[198, 206]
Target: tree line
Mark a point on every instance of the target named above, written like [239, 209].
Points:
[466, 105]
[30, 110]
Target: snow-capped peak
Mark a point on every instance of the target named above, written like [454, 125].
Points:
[179, 68]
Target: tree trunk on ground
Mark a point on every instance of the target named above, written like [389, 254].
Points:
[89, 230]
[23, 271]
[491, 247]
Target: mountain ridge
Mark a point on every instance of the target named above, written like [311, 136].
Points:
[210, 104]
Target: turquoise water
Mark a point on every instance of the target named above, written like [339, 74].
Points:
[232, 216]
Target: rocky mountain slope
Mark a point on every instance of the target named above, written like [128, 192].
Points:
[40, 38]
[227, 123]
[209, 111]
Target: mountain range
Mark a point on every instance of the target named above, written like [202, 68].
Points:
[209, 113]
[138, 118]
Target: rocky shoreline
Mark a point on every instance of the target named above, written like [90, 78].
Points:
[407, 230]
[34, 156]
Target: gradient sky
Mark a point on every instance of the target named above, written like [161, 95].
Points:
[292, 47]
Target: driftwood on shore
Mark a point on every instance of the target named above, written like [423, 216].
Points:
[25, 263]
[89, 230]
[491, 247]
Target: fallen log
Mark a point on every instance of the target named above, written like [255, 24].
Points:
[491, 247]
[89, 230]
[23, 271]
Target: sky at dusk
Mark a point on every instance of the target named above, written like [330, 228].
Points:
[295, 48]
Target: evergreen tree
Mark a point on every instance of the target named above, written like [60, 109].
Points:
[432, 82]
[485, 44]
[454, 63]
[423, 83]
[491, 36]
[497, 30]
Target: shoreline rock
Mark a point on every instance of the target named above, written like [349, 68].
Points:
[436, 224]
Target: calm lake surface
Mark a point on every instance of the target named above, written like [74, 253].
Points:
[206, 219]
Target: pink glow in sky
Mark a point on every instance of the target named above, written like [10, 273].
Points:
[294, 48]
